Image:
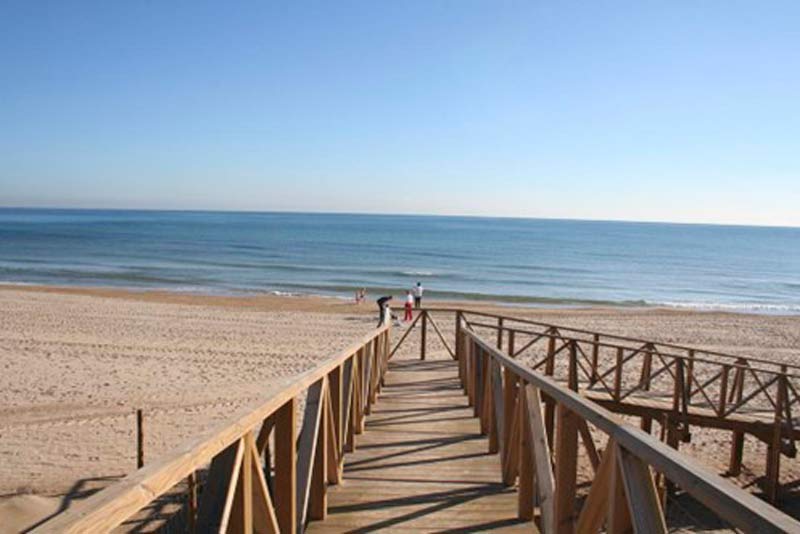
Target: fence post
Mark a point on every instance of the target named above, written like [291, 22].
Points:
[423, 340]
[139, 439]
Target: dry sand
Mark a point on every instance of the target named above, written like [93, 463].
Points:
[76, 363]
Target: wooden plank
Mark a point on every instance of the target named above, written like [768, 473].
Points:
[241, 518]
[525, 493]
[619, 517]
[307, 447]
[332, 450]
[265, 521]
[540, 450]
[421, 464]
[512, 444]
[499, 407]
[588, 444]
[643, 503]
[286, 468]
[318, 499]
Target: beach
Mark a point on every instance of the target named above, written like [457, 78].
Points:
[77, 363]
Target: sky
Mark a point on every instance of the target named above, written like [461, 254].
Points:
[682, 111]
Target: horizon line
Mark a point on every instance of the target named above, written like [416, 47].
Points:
[383, 214]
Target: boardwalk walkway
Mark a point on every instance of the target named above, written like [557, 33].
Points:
[421, 465]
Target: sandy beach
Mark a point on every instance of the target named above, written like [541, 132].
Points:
[77, 363]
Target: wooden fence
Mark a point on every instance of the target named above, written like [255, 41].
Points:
[240, 494]
[509, 399]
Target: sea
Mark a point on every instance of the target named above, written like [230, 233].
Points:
[527, 262]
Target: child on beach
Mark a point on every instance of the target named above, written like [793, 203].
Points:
[409, 306]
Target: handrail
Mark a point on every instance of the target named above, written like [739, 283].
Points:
[733, 504]
[115, 504]
[607, 335]
[661, 352]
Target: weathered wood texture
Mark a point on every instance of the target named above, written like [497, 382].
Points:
[421, 465]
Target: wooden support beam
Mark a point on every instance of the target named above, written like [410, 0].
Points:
[219, 490]
[588, 444]
[539, 449]
[335, 392]
[774, 448]
[423, 336]
[318, 498]
[595, 357]
[139, 439]
[441, 336]
[549, 370]
[499, 333]
[241, 518]
[307, 448]
[737, 438]
[512, 442]
[594, 510]
[265, 521]
[286, 468]
[619, 516]
[643, 503]
[497, 430]
[566, 457]
[409, 328]
[525, 492]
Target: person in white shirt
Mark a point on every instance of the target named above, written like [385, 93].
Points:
[418, 295]
[409, 306]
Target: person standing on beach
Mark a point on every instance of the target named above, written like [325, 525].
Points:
[418, 295]
[409, 306]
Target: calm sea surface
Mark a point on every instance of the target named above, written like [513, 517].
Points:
[546, 262]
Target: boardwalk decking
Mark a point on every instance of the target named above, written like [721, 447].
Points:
[422, 464]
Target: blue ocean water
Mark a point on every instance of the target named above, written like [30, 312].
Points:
[526, 261]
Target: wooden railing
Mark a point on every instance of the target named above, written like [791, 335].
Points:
[508, 397]
[676, 385]
[236, 494]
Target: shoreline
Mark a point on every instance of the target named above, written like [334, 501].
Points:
[342, 304]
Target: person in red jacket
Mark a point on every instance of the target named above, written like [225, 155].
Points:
[409, 306]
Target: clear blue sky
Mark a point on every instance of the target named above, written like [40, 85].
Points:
[677, 111]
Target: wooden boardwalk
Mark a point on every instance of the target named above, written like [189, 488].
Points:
[422, 464]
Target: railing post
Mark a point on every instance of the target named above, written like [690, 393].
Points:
[595, 358]
[737, 439]
[286, 467]
[774, 448]
[618, 374]
[335, 382]
[423, 338]
[510, 382]
[549, 370]
[644, 383]
[566, 456]
[499, 333]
